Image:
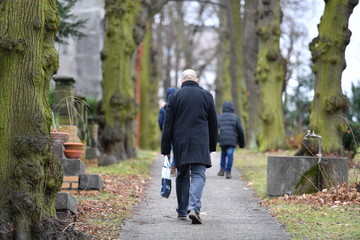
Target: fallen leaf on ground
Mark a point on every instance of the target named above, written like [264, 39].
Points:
[342, 195]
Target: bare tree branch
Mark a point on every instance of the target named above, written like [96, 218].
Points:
[157, 5]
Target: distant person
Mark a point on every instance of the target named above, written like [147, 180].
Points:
[191, 126]
[231, 134]
[161, 119]
[162, 111]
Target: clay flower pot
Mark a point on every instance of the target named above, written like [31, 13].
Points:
[75, 154]
[61, 137]
[74, 146]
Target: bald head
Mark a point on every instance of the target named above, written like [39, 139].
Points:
[189, 75]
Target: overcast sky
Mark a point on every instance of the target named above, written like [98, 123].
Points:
[352, 53]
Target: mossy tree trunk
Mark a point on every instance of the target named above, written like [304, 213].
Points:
[117, 131]
[150, 73]
[330, 105]
[30, 174]
[251, 44]
[238, 85]
[223, 80]
[270, 73]
[149, 84]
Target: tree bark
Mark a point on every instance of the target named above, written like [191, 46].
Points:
[149, 78]
[251, 47]
[270, 74]
[30, 174]
[329, 104]
[149, 131]
[238, 85]
[223, 81]
[117, 133]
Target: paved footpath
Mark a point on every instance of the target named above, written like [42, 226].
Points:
[229, 211]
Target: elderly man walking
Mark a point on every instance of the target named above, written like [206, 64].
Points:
[191, 126]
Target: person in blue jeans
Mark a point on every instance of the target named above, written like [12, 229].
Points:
[231, 134]
[191, 127]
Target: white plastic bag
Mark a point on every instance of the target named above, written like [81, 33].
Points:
[166, 178]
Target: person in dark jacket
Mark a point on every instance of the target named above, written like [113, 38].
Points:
[162, 111]
[231, 134]
[161, 119]
[191, 126]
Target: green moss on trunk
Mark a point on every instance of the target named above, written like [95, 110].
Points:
[250, 62]
[236, 70]
[30, 175]
[330, 105]
[270, 74]
[149, 130]
[118, 101]
[242, 103]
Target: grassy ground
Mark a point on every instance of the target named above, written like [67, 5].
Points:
[303, 221]
[101, 214]
[307, 221]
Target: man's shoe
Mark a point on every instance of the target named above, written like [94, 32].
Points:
[221, 173]
[195, 217]
[228, 174]
[181, 217]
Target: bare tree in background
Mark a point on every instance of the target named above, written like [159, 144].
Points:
[188, 42]
[222, 81]
[294, 38]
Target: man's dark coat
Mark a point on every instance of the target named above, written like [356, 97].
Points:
[190, 125]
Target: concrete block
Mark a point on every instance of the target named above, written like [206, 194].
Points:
[65, 201]
[334, 172]
[92, 152]
[90, 182]
[105, 160]
[300, 174]
[58, 148]
[72, 167]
